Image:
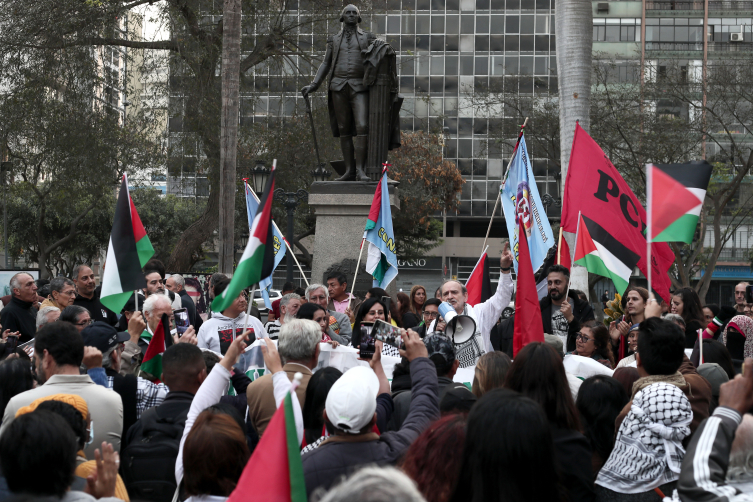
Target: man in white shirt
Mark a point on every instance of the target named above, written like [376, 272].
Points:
[484, 314]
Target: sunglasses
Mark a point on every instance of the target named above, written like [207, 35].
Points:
[582, 337]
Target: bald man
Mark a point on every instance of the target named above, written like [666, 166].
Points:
[484, 314]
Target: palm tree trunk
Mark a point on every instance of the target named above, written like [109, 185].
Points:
[574, 32]
[231, 63]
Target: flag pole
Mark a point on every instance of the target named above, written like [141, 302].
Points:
[559, 246]
[499, 194]
[648, 226]
[136, 298]
[577, 231]
[290, 250]
[355, 274]
[248, 310]
[287, 244]
[700, 346]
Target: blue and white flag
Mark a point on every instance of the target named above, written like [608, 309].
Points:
[521, 200]
[252, 203]
[381, 261]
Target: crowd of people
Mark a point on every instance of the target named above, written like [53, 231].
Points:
[668, 418]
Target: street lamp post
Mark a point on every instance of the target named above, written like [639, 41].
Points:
[290, 200]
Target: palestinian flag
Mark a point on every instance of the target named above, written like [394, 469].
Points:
[158, 343]
[274, 473]
[128, 251]
[675, 194]
[479, 286]
[381, 261]
[602, 254]
[258, 260]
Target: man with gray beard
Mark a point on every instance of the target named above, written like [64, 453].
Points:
[289, 305]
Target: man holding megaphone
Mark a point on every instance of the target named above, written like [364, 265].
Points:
[469, 326]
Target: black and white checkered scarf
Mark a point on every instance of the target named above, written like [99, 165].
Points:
[648, 451]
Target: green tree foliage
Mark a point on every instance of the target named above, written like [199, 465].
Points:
[428, 185]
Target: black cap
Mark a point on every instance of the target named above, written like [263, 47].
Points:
[457, 399]
[103, 336]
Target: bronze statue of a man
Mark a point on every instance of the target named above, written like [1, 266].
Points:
[348, 95]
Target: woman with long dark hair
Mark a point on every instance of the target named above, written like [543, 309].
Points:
[600, 400]
[417, 299]
[410, 320]
[15, 378]
[687, 304]
[371, 310]
[509, 453]
[392, 314]
[537, 372]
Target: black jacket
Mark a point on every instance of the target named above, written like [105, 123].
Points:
[19, 316]
[582, 312]
[97, 311]
[402, 400]
[190, 306]
[174, 404]
[573, 456]
[341, 455]
[502, 334]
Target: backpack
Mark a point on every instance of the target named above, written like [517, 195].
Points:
[148, 461]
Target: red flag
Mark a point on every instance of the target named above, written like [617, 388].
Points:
[563, 254]
[274, 472]
[478, 285]
[595, 188]
[528, 325]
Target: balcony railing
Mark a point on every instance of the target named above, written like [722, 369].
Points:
[743, 5]
[730, 47]
[674, 46]
[675, 5]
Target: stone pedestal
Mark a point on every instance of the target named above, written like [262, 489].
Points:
[342, 208]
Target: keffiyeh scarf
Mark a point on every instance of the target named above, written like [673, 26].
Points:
[648, 451]
[744, 325]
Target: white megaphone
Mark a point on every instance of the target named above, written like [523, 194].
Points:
[460, 328]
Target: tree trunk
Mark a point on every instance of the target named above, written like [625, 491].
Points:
[200, 231]
[231, 63]
[574, 32]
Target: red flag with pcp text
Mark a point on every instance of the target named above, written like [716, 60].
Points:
[595, 188]
[528, 325]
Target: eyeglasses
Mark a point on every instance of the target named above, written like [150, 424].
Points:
[85, 323]
[69, 293]
[375, 312]
[430, 315]
[582, 337]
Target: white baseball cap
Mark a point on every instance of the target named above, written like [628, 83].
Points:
[351, 401]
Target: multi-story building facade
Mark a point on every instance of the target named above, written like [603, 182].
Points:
[447, 49]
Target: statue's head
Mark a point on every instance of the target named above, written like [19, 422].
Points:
[349, 9]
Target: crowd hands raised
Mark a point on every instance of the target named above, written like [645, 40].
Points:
[83, 421]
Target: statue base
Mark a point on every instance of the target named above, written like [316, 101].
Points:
[342, 208]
